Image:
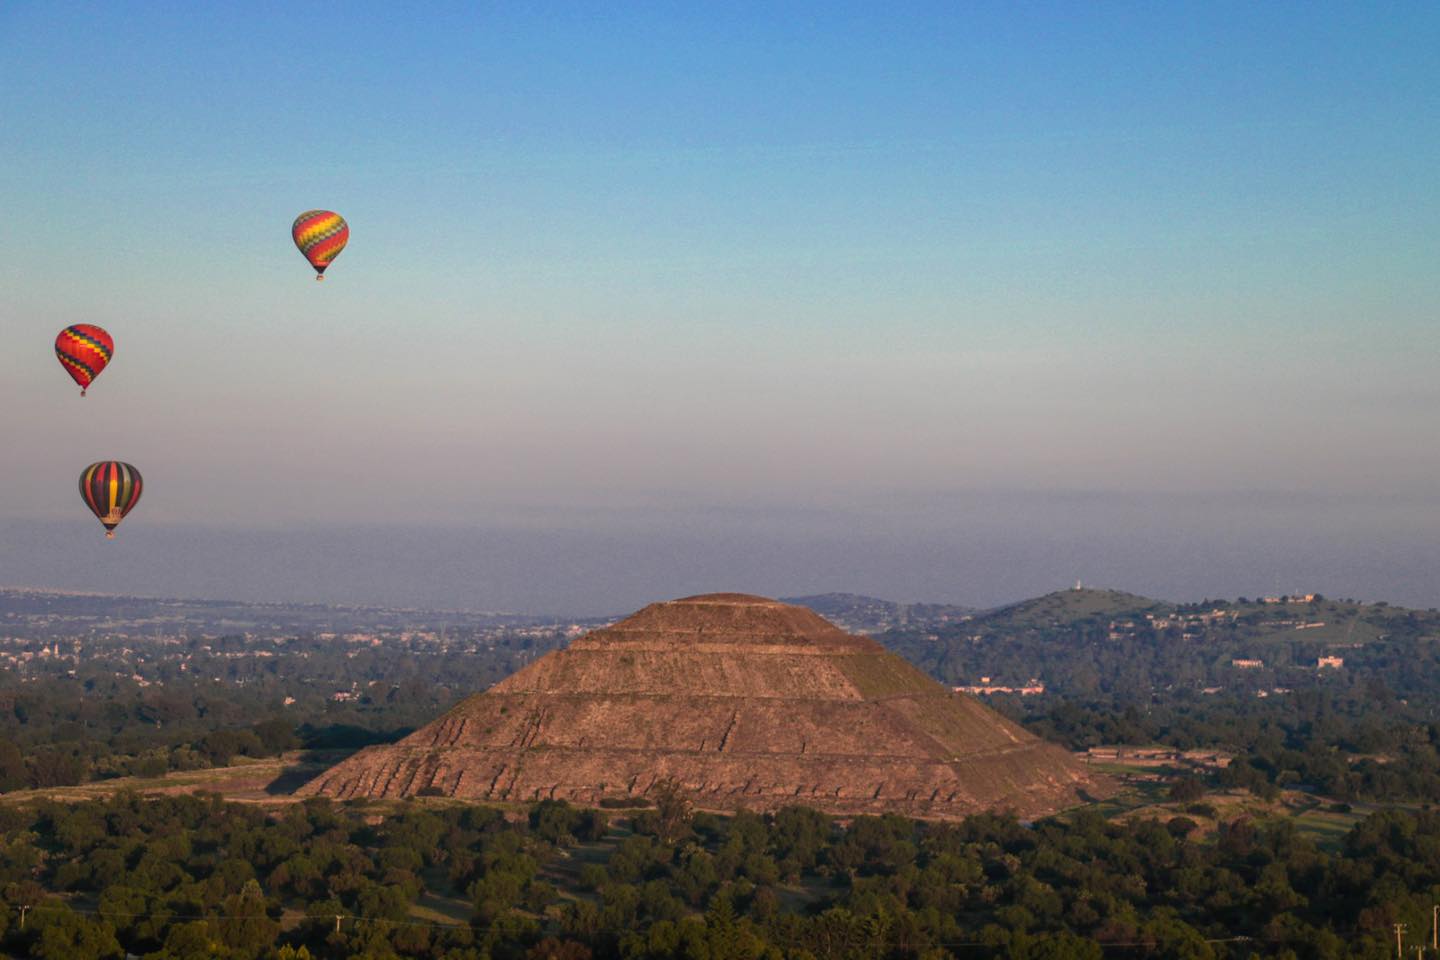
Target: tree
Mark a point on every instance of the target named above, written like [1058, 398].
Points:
[593, 825]
[1180, 827]
[1174, 938]
[552, 949]
[554, 821]
[276, 735]
[673, 808]
[187, 940]
[1054, 946]
[55, 768]
[1187, 790]
[246, 927]
[12, 766]
[65, 935]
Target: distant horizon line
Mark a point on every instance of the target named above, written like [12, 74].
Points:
[1078, 588]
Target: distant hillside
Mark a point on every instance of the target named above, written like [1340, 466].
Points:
[857, 612]
[861, 614]
[1086, 643]
[1068, 606]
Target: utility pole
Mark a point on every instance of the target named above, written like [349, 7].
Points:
[1400, 929]
[1420, 953]
[1435, 928]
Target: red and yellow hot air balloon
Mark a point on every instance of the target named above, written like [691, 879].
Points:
[320, 235]
[110, 489]
[84, 349]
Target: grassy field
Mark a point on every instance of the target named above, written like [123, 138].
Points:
[1146, 790]
[272, 780]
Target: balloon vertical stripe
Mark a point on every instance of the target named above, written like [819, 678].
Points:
[110, 489]
[87, 490]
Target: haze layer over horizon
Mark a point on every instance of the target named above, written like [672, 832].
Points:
[975, 549]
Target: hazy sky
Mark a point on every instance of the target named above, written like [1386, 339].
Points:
[946, 302]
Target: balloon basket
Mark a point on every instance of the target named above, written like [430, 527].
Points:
[109, 534]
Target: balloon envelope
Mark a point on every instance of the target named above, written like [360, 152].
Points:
[110, 489]
[320, 235]
[84, 349]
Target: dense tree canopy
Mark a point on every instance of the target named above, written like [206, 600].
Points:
[193, 876]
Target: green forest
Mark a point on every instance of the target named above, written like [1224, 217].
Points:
[1121, 669]
[194, 876]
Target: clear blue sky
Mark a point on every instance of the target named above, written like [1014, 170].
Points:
[649, 272]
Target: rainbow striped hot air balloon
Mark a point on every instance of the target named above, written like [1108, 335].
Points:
[110, 489]
[320, 235]
[83, 350]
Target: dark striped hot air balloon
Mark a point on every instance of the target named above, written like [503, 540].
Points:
[83, 350]
[110, 489]
[320, 235]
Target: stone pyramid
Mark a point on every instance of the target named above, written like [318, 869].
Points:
[748, 702]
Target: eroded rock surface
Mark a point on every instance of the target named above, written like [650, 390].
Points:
[747, 702]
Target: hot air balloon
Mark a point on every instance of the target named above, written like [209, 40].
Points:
[110, 489]
[84, 349]
[320, 235]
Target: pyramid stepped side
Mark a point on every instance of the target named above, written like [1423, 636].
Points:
[756, 728]
[1002, 781]
[746, 702]
[779, 672]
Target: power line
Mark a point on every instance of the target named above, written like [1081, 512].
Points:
[166, 915]
[341, 918]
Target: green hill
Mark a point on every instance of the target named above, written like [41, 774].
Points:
[1068, 606]
[1087, 643]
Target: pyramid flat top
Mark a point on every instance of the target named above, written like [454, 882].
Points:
[735, 599]
[722, 617]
